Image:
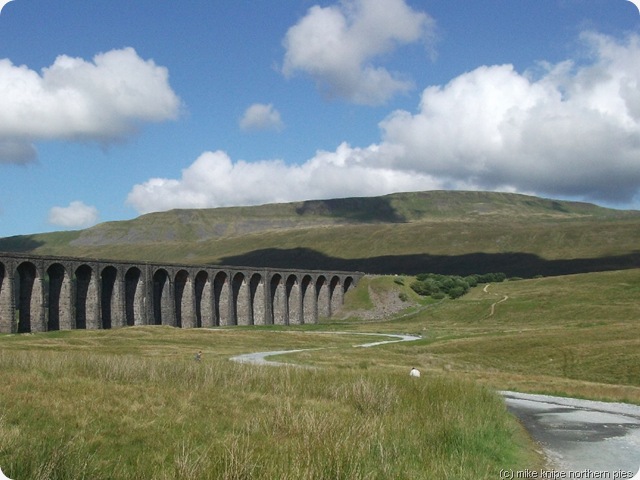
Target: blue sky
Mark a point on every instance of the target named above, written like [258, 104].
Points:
[112, 109]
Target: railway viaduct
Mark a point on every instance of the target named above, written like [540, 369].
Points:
[44, 293]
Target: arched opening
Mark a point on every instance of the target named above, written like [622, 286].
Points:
[241, 304]
[309, 305]
[183, 300]
[58, 298]
[323, 297]
[349, 283]
[28, 299]
[108, 297]
[256, 293]
[221, 298]
[134, 297]
[278, 297]
[162, 305]
[86, 304]
[294, 302]
[204, 305]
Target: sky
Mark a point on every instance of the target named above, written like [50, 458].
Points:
[113, 109]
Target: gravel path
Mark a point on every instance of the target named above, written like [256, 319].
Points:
[582, 435]
[260, 358]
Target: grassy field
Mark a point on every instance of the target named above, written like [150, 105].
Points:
[572, 335]
[132, 403]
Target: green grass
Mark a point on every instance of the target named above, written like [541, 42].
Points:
[572, 335]
[72, 414]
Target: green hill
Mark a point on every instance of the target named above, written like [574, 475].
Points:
[447, 232]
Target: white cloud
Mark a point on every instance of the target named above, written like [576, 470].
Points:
[571, 131]
[213, 180]
[104, 100]
[76, 215]
[336, 45]
[261, 117]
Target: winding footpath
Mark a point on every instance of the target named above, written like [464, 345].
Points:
[492, 309]
[260, 358]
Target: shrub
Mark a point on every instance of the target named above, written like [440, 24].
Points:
[456, 292]
[439, 286]
[424, 288]
[491, 277]
[472, 280]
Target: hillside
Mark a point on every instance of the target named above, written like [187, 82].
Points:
[448, 232]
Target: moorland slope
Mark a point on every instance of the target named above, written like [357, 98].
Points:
[438, 231]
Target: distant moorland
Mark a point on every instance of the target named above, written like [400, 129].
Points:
[449, 232]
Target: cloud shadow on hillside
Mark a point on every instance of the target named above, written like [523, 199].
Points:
[19, 244]
[515, 264]
[366, 210]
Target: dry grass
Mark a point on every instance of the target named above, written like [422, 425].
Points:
[75, 414]
[572, 335]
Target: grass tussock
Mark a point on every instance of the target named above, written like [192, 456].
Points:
[79, 415]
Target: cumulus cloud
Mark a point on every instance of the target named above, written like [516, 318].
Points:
[76, 215]
[214, 180]
[104, 100]
[261, 117]
[336, 46]
[574, 130]
[570, 129]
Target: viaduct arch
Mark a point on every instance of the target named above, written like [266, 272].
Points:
[45, 293]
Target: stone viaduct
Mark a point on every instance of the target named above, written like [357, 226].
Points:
[41, 293]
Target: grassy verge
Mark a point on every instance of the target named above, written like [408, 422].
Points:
[77, 414]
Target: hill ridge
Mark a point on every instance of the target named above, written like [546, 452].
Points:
[412, 230]
[393, 208]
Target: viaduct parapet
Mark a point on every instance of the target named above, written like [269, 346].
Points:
[42, 293]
